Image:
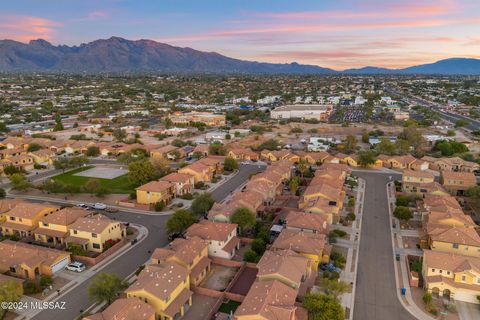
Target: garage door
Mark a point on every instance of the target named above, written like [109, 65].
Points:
[60, 265]
[466, 297]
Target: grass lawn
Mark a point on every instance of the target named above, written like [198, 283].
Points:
[117, 185]
[229, 306]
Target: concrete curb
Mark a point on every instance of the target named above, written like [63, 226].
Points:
[412, 308]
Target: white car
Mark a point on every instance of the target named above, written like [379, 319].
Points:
[76, 266]
[99, 206]
[81, 205]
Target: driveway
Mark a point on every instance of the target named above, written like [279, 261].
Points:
[376, 292]
[468, 311]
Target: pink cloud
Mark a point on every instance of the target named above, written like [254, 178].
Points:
[97, 14]
[25, 28]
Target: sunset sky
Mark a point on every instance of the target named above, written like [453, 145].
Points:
[337, 34]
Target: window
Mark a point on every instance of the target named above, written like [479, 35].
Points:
[94, 235]
[478, 280]
[45, 224]
[74, 231]
[433, 270]
[455, 246]
[440, 271]
[448, 272]
[13, 270]
[466, 248]
[12, 218]
[96, 245]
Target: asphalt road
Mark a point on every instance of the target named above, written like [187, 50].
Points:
[473, 124]
[77, 300]
[244, 173]
[376, 292]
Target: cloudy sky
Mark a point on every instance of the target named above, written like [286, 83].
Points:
[331, 33]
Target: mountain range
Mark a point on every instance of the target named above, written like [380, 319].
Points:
[118, 55]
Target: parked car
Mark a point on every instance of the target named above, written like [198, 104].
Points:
[99, 206]
[81, 205]
[76, 266]
[126, 224]
[173, 236]
[330, 267]
[111, 209]
[397, 256]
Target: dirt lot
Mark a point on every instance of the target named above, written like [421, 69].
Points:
[201, 306]
[219, 277]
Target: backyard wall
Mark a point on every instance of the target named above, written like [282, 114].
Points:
[90, 261]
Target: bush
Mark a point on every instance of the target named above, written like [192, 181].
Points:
[403, 213]
[32, 287]
[159, 206]
[351, 216]
[133, 195]
[251, 256]
[3, 193]
[427, 298]
[338, 259]
[45, 281]
[259, 246]
[187, 196]
[432, 309]
[402, 201]
[351, 202]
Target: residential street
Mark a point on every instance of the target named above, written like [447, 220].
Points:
[376, 292]
[243, 175]
[77, 300]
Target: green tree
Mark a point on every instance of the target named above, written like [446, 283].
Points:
[474, 192]
[365, 137]
[91, 186]
[10, 291]
[350, 144]
[461, 123]
[230, 164]
[244, 218]
[251, 256]
[385, 146]
[202, 204]
[34, 147]
[105, 287]
[141, 172]
[270, 144]
[58, 123]
[451, 133]
[427, 298]
[259, 246]
[323, 307]
[402, 146]
[217, 148]
[168, 123]
[335, 288]
[366, 158]
[18, 181]
[93, 151]
[302, 167]
[403, 213]
[119, 134]
[180, 221]
[293, 184]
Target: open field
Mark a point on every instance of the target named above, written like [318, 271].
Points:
[117, 185]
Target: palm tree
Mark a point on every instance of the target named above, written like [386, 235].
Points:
[302, 167]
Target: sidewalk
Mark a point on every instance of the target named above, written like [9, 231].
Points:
[73, 202]
[401, 276]
[349, 275]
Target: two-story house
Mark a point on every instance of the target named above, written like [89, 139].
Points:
[54, 228]
[125, 308]
[155, 191]
[165, 287]
[451, 276]
[221, 237]
[183, 182]
[95, 233]
[191, 253]
[24, 217]
[457, 183]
